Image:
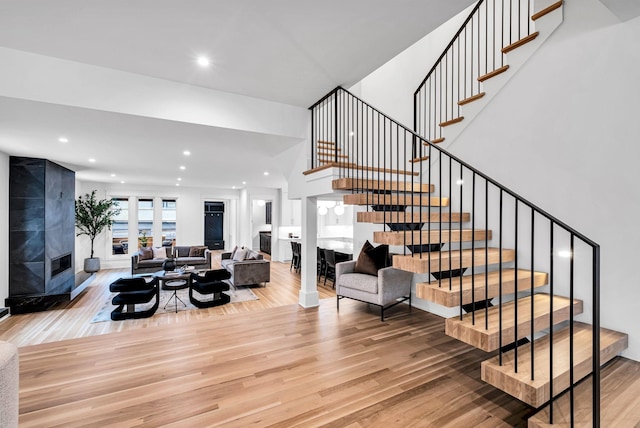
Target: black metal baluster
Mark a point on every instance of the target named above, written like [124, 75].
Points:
[515, 313]
[596, 336]
[551, 292]
[500, 282]
[571, 371]
[533, 223]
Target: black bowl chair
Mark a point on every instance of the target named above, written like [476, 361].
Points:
[212, 282]
[132, 292]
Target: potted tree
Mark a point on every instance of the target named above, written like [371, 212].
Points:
[92, 217]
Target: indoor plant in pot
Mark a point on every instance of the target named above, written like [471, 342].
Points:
[92, 217]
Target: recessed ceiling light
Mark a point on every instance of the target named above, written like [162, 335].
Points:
[177, 184]
[203, 61]
[179, 178]
[233, 187]
[92, 160]
[63, 139]
[182, 167]
[113, 175]
[244, 182]
[122, 182]
[186, 153]
[266, 173]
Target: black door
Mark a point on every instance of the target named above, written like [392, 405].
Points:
[214, 225]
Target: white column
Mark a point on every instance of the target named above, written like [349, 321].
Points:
[309, 281]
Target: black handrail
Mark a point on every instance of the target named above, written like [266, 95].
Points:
[473, 169]
[378, 146]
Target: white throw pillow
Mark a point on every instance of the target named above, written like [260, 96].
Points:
[159, 253]
[240, 255]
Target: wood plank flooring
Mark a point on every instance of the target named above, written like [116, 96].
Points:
[73, 320]
[262, 363]
[283, 366]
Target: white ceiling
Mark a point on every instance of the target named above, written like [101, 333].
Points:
[289, 51]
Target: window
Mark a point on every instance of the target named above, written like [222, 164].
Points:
[145, 222]
[120, 228]
[168, 222]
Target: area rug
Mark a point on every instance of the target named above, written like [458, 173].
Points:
[237, 295]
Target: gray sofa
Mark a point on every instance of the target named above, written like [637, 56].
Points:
[254, 270]
[390, 287]
[181, 253]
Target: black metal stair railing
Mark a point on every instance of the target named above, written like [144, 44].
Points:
[374, 151]
[475, 51]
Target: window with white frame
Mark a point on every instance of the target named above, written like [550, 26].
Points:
[168, 222]
[120, 227]
[145, 222]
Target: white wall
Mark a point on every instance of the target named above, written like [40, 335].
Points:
[563, 133]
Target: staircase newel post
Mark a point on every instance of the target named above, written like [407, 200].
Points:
[596, 336]
[312, 145]
[335, 125]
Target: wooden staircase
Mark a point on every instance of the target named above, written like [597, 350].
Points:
[539, 349]
[526, 316]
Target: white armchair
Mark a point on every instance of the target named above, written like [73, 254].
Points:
[390, 287]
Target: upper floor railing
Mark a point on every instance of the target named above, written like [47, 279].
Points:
[475, 53]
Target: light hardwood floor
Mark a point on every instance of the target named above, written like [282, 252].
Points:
[262, 363]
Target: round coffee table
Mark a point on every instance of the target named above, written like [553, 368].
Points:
[174, 281]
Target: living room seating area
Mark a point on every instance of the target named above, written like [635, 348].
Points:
[150, 259]
[247, 267]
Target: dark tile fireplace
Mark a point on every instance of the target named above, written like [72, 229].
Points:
[41, 234]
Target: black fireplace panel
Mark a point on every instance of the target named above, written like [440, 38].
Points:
[27, 178]
[26, 246]
[26, 278]
[41, 219]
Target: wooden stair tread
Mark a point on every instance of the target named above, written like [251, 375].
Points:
[493, 73]
[488, 339]
[619, 400]
[364, 184]
[443, 261]
[546, 11]
[471, 99]
[447, 291]
[398, 199]
[350, 165]
[332, 156]
[451, 121]
[326, 143]
[435, 141]
[420, 159]
[537, 392]
[521, 42]
[379, 217]
[414, 237]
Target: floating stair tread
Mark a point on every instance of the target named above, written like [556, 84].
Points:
[420, 159]
[521, 42]
[382, 217]
[350, 165]
[446, 292]
[326, 143]
[537, 392]
[363, 184]
[488, 339]
[451, 121]
[435, 141]
[619, 405]
[332, 155]
[444, 261]
[385, 199]
[471, 99]
[547, 10]
[493, 73]
[426, 237]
